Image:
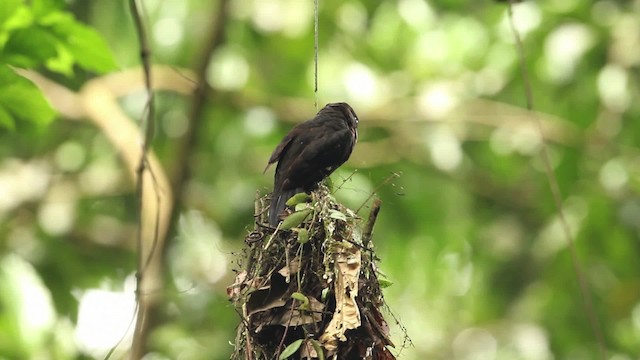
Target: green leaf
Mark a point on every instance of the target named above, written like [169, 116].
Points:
[300, 207]
[295, 219]
[7, 9]
[384, 283]
[383, 280]
[303, 236]
[298, 199]
[20, 19]
[316, 345]
[87, 46]
[290, 350]
[301, 297]
[324, 294]
[21, 99]
[63, 63]
[29, 48]
[335, 214]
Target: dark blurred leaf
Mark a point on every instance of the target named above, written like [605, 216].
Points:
[22, 100]
[29, 47]
[86, 45]
[6, 120]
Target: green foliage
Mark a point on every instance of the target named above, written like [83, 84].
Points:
[41, 34]
[290, 350]
[469, 235]
[20, 99]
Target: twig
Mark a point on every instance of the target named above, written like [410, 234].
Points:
[201, 93]
[138, 347]
[394, 175]
[373, 216]
[315, 51]
[587, 300]
[286, 329]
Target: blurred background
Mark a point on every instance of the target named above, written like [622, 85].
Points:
[468, 233]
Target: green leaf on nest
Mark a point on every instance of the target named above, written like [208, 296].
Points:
[318, 348]
[384, 283]
[303, 236]
[290, 350]
[298, 199]
[335, 214]
[295, 219]
[302, 298]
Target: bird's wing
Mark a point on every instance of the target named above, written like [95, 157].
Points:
[319, 158]
[280, 149]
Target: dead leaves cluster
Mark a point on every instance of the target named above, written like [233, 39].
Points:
[309, 289]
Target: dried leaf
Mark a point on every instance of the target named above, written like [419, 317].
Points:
[233, 291]
[292, 268]
[268, 297]
[347, 261]
[310, 351]
[297, 317]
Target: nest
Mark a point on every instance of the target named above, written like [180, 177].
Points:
[310, 288]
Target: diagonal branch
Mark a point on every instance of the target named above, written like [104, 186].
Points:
[202, 92]
[587, 298]
[145, 301]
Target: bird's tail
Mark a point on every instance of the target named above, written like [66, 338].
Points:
[278, 202]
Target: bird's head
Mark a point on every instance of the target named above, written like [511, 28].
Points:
[348, 115]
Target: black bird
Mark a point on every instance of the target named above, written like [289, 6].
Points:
[310, 152]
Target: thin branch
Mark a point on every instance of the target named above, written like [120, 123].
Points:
[315, 51]
[587, 299]
[367, 233]
[202, 92]
[138, 348]
[389, 178]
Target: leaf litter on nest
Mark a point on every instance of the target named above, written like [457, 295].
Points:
[309, 288]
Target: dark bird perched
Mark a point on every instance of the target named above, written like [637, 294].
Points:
[310, 152]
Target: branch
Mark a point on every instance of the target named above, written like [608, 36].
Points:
[587, 299]
[202, 92]
[367, 233]
[145, 301]
[97, 103]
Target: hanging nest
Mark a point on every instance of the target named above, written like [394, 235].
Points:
[310, 289]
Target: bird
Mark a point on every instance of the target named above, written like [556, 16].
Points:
[311, 151]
